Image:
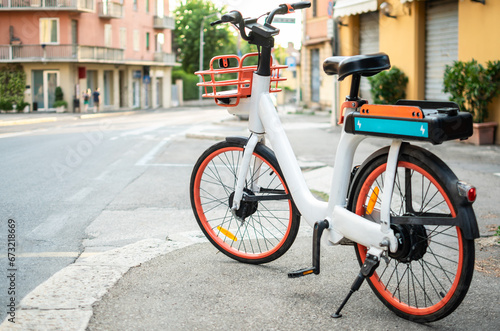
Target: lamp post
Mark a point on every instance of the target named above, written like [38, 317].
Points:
[200, 90]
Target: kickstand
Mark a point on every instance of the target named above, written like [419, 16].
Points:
[367, 270]
[319, 227]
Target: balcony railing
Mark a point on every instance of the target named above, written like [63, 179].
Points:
[167, 58]
[30, 53]
[164, 23]
[100, 53]
[108, 9]
[69, 5]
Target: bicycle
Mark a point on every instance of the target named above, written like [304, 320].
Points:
[407, 215]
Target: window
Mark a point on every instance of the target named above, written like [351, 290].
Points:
[74, 32]
[135, 5]
[49, 31]
[315, 8]
[136, 40]
[123, 38]
[160, 40]
[147, 6]
[160, 11]
[108, 40]
[147, 41]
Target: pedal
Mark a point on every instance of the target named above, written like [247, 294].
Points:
[367, 269]
[319, 227]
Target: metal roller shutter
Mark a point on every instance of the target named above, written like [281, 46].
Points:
[368, 44]
[441, 45]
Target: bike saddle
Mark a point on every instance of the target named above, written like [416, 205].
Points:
[364, 65]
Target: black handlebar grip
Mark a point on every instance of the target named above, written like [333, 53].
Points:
[232, 17]
[301, 5]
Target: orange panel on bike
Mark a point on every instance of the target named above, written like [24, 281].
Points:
[392, 111]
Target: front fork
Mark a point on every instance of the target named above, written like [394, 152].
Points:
[243, 171]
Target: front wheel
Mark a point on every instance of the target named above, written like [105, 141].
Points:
[429, 275]
[260, 231]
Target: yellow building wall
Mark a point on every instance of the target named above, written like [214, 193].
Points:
[477, 39]
[349, 45]
[403, 39]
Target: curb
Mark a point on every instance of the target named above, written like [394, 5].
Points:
[65, 300]
[55, 119]
[88, 116]
[28, 121]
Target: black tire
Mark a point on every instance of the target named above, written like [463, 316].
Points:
[269, 227]
[430, 274]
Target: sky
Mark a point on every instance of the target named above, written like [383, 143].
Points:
[254, 8]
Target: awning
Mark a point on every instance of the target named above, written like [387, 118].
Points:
[353, 7]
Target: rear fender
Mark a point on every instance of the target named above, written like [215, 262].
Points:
[465, 219]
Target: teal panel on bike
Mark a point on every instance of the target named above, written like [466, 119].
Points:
[395, 127]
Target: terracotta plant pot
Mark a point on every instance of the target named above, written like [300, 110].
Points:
[483, 133]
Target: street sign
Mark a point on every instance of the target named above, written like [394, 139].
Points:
[284, 20]
[291, 62]
[330, 25]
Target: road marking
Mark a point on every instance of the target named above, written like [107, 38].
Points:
[152, 153]
[497, 174]
[15, 134]
[80, 195]
[179, 165]
[149, 155]
[52, 254]
[140, 131]
[107, 170]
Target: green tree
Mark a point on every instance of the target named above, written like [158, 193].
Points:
[12, 84]
[387, 87]
[218, 39]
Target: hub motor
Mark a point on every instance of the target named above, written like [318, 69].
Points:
[247, 208]
[412, 242]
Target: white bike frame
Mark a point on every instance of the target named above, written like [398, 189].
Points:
[264, 120]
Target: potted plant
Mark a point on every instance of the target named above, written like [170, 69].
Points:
[59, 104]
[23, 107]
[5, 106]
[473, 86]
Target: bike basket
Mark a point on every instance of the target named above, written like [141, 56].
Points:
[430, 121]
[231, 79]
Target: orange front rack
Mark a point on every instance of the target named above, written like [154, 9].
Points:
[230, 82]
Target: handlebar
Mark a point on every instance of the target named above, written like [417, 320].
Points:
[287, 9]
[235, 17]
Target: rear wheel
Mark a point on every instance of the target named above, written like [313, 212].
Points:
[261, 230]
[429, 275]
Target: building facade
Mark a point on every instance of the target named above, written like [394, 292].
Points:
[421, 38]
[317, 45]
[122, 47]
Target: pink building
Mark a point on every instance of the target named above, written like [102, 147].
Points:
[122, 47]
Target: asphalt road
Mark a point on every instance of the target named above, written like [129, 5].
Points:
[76, 188]
[73, 187]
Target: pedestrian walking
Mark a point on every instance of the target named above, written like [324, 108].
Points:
[96, 96]
[86, 100]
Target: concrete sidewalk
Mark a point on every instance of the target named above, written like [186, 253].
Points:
[182, 284]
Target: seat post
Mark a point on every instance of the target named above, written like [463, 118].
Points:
[353, 94]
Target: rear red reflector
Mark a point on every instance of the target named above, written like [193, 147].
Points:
[467, 191]
[471, 194]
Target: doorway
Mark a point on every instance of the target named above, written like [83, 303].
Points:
[44, 89]
[315, 72]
